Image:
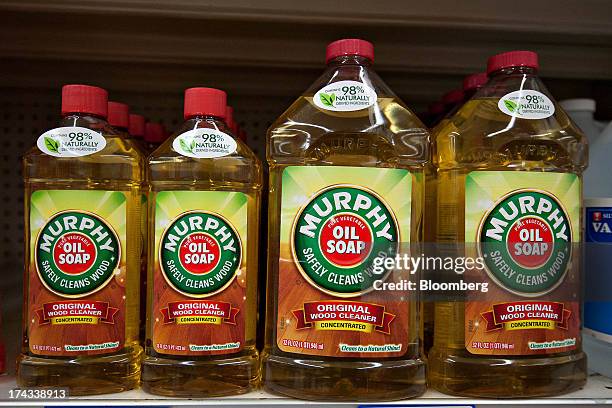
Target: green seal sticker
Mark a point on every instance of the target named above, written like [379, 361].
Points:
[76, 254]
[526, 242]
[337, 236]
[200, 254]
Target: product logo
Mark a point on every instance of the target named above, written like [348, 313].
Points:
[204, 144]
[598, 222]
[71, 141]
[526, 242]
[345, 96]
[200, 254]
[526, 104]
[337, 236]
[76, 254]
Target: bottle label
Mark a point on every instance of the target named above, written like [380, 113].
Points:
[526, 104]
[527, 238]
[345, 96]
[204, 144]
[335, 223]
[199, 280]
[598, 254]
[76, 294]
[71, 141]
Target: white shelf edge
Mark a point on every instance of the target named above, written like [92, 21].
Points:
[597, 391]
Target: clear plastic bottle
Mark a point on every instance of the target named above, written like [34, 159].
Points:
[597, 332]
[125, 123]
[154, 136]
[136, 129]
[471, 84]
[204, 208]
[509, 167]
[119, 117]
[581, 111]
[82, 246]
[348, 137]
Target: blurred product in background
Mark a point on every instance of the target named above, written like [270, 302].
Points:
[119, 117]
[136, 129]
[451, 100]
[229, 119]
[435, 112]
[582, 111]
[473, 83]
[154, 136]
[597, 331]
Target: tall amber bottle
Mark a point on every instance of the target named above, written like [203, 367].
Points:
[82, 250]
[346, 188]
[509, 167]
[203, 233]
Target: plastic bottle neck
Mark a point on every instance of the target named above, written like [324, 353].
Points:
[205, 118]
[529, 71]
[345, 60]
[77, 115]
[213, 122]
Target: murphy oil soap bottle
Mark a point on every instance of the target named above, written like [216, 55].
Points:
[509, 189]
[203, 234]
[82, 223]
[346, 189]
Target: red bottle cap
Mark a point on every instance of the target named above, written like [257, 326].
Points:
[350, 46]
[84, 99]
[136, 126]
[474, 81]
[118, 114]
[452, 97]
[205, 102]
[435, 108]
[512, 59]
[154, 132]
[229, 119]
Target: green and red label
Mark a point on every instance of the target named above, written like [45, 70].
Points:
[527, 239]
[200, 253]
[336, 221]
[525, 236]
[199, 273]
[77, 275]
[344, 228]
[76, 253]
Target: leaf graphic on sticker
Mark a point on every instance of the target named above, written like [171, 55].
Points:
[51, 144]
[511, 106]
[192, 146]
[327, 99]
[185, 146]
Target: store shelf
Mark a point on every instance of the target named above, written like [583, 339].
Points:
[597, 391]
[275, 47]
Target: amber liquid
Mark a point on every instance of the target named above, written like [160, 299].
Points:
[217, 375]
[117, 168]
[333, 378]
[466, 143]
